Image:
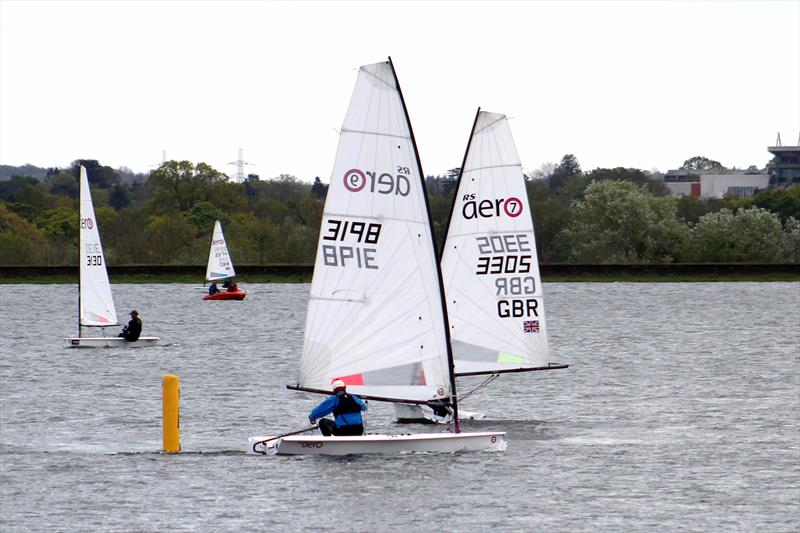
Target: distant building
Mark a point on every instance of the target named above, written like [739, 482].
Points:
[682, 182]
[683, 188]
[738, 185]
[784, 169]
[679, 174]
[733, 183]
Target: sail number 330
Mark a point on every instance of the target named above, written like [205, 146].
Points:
[94, 257]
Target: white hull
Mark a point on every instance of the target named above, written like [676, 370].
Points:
[110, 342]
[415, 414]
[420, 442]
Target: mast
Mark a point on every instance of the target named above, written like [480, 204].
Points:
[450, 361]
[80, 331]
[80, 247]
[460, 175]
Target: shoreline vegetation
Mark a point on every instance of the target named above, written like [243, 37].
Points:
[302, 272]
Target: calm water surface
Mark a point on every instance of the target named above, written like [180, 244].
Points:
[680, 412]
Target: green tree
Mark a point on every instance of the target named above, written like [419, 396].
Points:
[203, 215]
[701, 163]
[9, 188]
[319, 189]
[21, 243]
[549, 219]
[60, 223]
[618, 222]
[171, 238]
[125, 237]
[178, 185]
[749, 235]
[102, 177]
[783, 202]
[568, 168]
[253, 240]
[308, 211]
[633, 175]
[119, 197]
[286, 189]
[64, 185]
[790, 241]
[35, 196]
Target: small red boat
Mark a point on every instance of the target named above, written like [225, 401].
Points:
[226, 295]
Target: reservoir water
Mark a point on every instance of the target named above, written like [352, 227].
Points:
[680, 412]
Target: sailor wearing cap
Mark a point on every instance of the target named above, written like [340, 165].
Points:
[346, 409]
[132, 331]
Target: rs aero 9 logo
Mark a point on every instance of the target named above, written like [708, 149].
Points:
[356, 180]
[473, 208]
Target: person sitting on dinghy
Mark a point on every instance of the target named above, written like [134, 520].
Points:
[212, 289]
[132, 331]
[346, 409]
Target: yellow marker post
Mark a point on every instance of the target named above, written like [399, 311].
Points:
[171, 425]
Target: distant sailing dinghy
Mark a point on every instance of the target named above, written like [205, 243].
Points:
[220, 267]
[95, 303]
[490, 268]
[376, 315]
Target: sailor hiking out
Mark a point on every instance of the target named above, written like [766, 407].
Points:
[346, 409]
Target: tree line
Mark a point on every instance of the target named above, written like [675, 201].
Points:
[617, 215]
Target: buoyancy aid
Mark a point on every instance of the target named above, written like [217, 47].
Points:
[347, 411]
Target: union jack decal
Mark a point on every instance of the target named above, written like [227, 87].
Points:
[531, 326]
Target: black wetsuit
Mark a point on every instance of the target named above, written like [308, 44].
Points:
[132, 331]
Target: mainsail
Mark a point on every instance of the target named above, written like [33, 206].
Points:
[375, 317]
[219, 261]
[489, 262]
[96, 302]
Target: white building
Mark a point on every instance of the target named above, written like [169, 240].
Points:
[683, 188]
[737, 184]
[732, 185]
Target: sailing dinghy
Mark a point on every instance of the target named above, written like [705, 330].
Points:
[376, 316]
[95, 303]
[490, 267]
[220, 266]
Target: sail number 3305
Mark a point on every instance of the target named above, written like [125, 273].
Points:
[504, 254]
[348, 239]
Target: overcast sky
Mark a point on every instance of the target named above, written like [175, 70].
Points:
[633, 84]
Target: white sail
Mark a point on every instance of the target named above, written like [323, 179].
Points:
[489, 262]
[219, 261]
[96, 302]
[375, 317]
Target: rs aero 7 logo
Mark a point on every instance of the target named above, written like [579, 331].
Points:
[496, 207]
[87, 223]
[356, 180]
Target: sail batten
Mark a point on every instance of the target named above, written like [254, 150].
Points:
[479, 169]
[378, 133]
[96, 302]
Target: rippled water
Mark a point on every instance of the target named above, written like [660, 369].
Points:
[680, 412]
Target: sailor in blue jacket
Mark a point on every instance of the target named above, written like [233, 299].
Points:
[346, 409]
